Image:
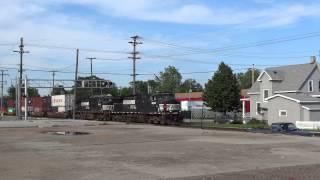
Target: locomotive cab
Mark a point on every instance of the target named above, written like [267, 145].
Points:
[166, 102]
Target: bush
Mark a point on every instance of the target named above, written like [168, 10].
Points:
[236, 122]
[255, 121]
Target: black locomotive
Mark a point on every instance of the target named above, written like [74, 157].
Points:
[160, 108]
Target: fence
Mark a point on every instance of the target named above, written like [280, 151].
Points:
[206, 118]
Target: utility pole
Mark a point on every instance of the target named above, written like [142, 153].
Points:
[53, 76]
[252, 75]
[17, 101]
[21, 52]
[2, 74]
[134, 57]
[75, 86]
[91, 58]
[26, 98]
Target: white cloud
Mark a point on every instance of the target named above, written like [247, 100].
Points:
[177, 11]
[40, 23]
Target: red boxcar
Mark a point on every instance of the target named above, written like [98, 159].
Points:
[38, 106]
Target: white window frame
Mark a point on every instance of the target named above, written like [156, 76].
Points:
[257, 111]
[312, 85]
[264, 98]
[281, 111]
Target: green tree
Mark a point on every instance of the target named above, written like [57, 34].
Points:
[169, 80]
[12, 92]
[245, 79]
[190, 84]
[222, 92]
[125, 91]
[32, 92]
[141, 87]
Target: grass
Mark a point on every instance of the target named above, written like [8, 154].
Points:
[227, 126]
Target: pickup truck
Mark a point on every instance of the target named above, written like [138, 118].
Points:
[289, 129]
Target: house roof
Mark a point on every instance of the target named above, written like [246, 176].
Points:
[299, 98]
[312, 107]
[290, 77]
[193, 96]
[255, 88]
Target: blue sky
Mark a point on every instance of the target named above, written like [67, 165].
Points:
[199, 25]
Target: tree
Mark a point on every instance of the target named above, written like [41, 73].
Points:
[141, 87]
[32, 92]
[125, 91]
[245, 79]
[222, 92]
[190, 84]
[169, 80]
[12, 92]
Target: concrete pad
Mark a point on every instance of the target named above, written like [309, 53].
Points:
[121, 151]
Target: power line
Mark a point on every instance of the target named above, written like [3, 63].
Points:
[240, 46]
[91, 58]
[64, 72]
[194, 72]
[72, 49]
[7, 44]
[205, 62]
[111, 59]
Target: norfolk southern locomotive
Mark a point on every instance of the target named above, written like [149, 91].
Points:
[160, 108]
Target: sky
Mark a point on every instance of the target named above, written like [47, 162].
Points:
[192, 35]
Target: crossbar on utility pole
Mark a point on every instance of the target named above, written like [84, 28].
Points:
[91, 59]
[134, 58]
[75, 86]
[21, 52]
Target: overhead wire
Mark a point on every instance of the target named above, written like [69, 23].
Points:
[237, 46]
[72, 48]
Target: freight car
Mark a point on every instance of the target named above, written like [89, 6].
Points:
[160, 108]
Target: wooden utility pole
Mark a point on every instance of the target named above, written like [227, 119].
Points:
[91, 59]
[21, 52]
[252, 75]
[53, 79]
[134, 58]
[75, 86]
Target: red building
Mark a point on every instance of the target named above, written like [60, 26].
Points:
[191, 100]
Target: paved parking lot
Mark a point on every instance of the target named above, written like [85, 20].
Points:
[121, 151]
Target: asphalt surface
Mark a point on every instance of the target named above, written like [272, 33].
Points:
[121, 151]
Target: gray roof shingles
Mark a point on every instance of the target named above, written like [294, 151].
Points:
[312, 106]
[290, 77]
[302, 97]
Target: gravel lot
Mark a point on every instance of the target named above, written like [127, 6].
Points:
[31, 150]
